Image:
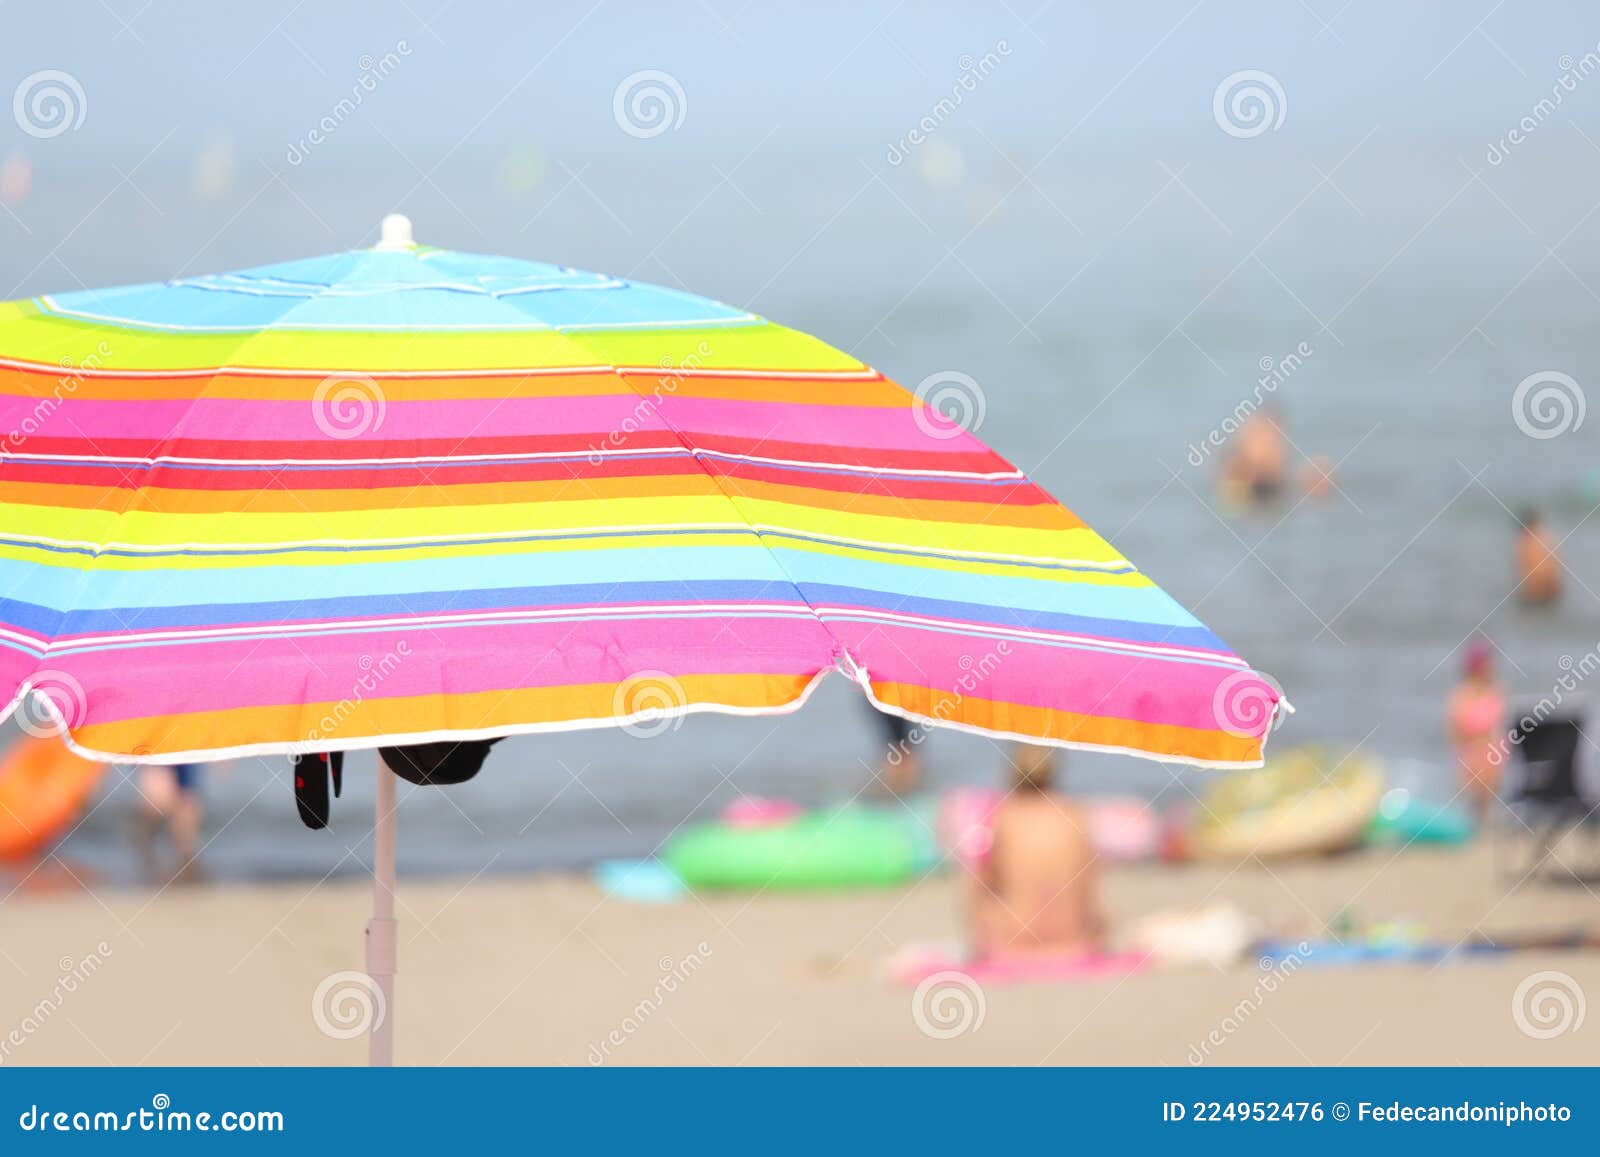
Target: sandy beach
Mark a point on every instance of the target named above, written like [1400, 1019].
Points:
[548, 970]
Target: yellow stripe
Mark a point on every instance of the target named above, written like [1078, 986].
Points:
[171, 528]
[115, 562]
[28, 333]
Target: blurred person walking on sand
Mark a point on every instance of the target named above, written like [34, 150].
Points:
[170, 797]
[1037, 891]
[1477, 716]
[1538, 564]
[1258, 465]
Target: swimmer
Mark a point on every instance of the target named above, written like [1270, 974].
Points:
[1259, 463]
[1538, 564]
[902, 765]
[1316, 476]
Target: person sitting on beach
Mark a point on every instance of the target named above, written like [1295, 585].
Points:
[1037, 891]
[1477, 714]
[1538, 565]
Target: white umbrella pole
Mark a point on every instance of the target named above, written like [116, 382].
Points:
[381, 929]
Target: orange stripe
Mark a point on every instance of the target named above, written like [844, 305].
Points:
[1160, 739]
[1045, 516]
[63, 384]
[286, 498]
[272, 389]
[880, 392]
[374, 718]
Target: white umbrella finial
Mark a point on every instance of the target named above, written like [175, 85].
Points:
[395, 232]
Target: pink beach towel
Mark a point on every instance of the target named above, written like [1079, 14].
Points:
[916, 963]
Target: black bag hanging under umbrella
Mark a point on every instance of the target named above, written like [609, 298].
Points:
[440, 764]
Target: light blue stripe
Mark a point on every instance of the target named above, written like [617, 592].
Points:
[100, 589]
[55, 588]
[1093, 600]
[220, 305]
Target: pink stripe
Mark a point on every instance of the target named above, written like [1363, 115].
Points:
[873, 427]
[1145, 688]
[245, 421]
[421, 661]
[869, 427]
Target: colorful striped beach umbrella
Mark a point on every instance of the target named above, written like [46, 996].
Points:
[405, 494]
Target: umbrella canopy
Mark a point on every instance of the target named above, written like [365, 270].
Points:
[405, 494]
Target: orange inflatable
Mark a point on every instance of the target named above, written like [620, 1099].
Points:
[43, 787]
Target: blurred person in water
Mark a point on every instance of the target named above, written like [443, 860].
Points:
[901, 770]
[1477, 717]
[1316, 476]
[1257, 465]
[1538, 564]
[1036, 892]
[170, 799]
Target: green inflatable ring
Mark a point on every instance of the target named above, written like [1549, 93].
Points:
[847, 848]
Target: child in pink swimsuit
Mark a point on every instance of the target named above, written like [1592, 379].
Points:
[1477, 728]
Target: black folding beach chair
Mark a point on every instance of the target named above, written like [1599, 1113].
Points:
[1544, 789]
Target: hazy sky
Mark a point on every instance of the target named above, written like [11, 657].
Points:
[231, 134]
[490, 72]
